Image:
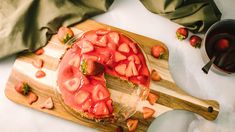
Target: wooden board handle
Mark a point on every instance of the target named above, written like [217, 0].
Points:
[180, 100]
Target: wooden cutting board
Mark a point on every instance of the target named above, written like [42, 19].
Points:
[170, 95]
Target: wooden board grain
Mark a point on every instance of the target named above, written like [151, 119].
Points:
[171, 96]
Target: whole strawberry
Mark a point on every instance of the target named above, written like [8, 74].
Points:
[182, 33]
[22, 88]
[195, 41]
[64, 34]
[222, 44]
[157, 51]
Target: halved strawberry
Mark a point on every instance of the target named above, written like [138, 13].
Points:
[48, 104]
[119, 56]
[86, 46]
[102, 42]
[112, 46]
[133, 47]
[100, 109]
[152, 98]
[75, 61]
[39, 51]
[131, 69]
[22, 88]
[121, 69]
[109, 105]
[114, 37]
[134, 58]
[72, 84]
[38, 63]
[132, 124]
[148, 112]
[32, 97]
[99, 92]
[91, 36]
[87, 105]
[81, 96]
[90, 67]
[124, 48]
[40, 74]
[102, 31]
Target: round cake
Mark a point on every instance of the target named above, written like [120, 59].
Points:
[81, 72]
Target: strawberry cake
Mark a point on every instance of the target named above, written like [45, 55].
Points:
[81, 72]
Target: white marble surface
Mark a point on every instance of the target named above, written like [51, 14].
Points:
[185, 65]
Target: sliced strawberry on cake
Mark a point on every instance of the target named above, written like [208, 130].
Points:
[81, 72]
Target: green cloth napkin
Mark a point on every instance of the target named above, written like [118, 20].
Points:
[29, 24]
[196, 15]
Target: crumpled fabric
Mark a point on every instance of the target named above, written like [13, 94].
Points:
[26, 25]
[196, 15]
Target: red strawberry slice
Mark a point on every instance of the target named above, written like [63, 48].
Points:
[48, 104]
[100, 109]
[124, 48]
[91, 36]
[81, 96]
[38, 63]
[102, 42]
[109, 105]
[121, 69]
[119, 56]
[148, 112]
[133, 47]
[84, 80]
[131, 69]
[144, 71]
[105, 56]
[152, 98]
[99, 93]
[87, 105]
[75, 61]
[112, 46]
[32, 98]
[102, 31]
[86, 46]
[40, 74]
[114, 37]
[132, 124]
[72, 84]
[134, 58]
[155, 76]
